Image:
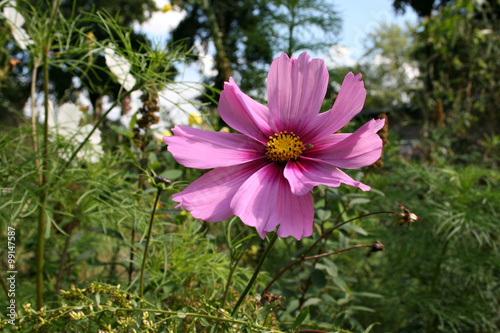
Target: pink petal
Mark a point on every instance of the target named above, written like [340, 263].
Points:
[306, 173]
[295, 91]
[195, 148]
[265, 201]
[360, 149]
[209, 196]
[244, 114]
[349, 103]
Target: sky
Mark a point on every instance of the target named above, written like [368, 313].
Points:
[359, 17]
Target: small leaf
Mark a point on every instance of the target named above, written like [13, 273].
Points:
[359, 201]
[367, 294]
[121, 131]
[339, 282]
[343, 240]
[85, 255]
[323, 215]
[331, 268]
[300, 318]
[362, 308]
[318, 279]
[172, 174]
[181, 314]
[312, 301]
[129, 153]
[338, 321]
[264, 312]
[369, 328]
[354, 228]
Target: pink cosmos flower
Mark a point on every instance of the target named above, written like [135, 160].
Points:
[265, 174]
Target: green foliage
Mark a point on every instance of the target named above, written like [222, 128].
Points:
[237, 29]
[442, 275]
[458, 49]
[106, 308]
[422, 7]
[303, 25]
[75, 49]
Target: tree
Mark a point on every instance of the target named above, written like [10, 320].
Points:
[247, 34]
[422, 7]
[15, 88]
[237, 30]
[303, 25]
[458, 49]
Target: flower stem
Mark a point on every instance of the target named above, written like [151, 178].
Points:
[231, 273]
[42, 215]
[338, 225]
[323, 236]
[33, 119]
[141, 285]
[101, 119]
[256, 272]
[309, 258]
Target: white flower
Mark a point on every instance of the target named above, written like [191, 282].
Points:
[178, 103]
[15, 21]
[120, 67]
[66, 123]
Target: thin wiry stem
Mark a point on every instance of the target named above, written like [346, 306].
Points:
[309, 258]
[256, 272]
[338, 225]
[139, 186]
[141, 285]
[42, 215]
[33, 121]
[61, 263]
[101, 119]
[328, 232]
[231, 273]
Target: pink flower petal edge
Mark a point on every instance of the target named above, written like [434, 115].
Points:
[348, 103]
[360, 149]
[296, 89]
[209, 196]
[244, 114]
[200, 149]
[306, 173]
[265, 201]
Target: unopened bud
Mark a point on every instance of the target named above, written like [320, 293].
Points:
[376, 247]
[160, 179]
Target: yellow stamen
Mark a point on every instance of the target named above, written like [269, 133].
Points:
[195, 119]
[167, 8]
[284, 147]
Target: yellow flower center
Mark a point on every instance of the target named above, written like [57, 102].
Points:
[284, 147]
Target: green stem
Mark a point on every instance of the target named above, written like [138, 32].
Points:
[338, 225]
[101, 119]
[139, 187]
[309, 258]
[141, 286]
[33, 119]
[231, 273]
[42, 216]
[256, 272]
